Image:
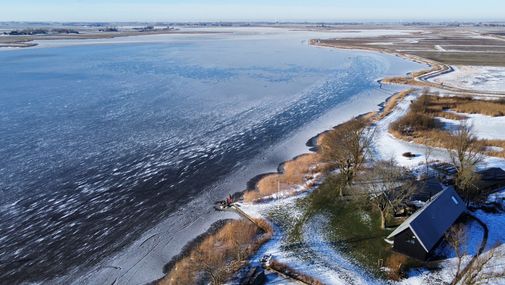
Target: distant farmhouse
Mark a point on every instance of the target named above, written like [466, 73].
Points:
[422, 231]
[491, 179]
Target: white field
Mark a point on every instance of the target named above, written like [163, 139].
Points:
[484, 127]
[479, 78]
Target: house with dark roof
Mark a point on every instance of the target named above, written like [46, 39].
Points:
[491, 179]
[423, 230]
[425, 189]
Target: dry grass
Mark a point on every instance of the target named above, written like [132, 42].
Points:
[439, 105]
[496, 144]
[489, 108]
[395, 262]
[285, 269]
[420, 126]
[219, 255]
[406, 81]
[295, 172]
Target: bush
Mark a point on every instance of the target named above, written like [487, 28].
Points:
[220, 254]
[294, 173]
[413, 122]
[395, 263]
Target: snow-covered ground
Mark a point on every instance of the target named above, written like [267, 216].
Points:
[314, 256]
[317, 258]
[480, 78]
[484, 127]
[386, 146]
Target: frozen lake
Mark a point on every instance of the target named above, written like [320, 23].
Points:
[100, 142]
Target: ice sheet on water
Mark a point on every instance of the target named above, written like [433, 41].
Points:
[102, 142]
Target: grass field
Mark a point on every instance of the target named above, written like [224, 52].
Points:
[354, 226]
[449, 46]
[464, 58]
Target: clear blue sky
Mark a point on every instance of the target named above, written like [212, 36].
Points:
[237, 10]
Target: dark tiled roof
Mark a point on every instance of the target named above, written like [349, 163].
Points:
[494, 174]
[426, 189]
[430, 223]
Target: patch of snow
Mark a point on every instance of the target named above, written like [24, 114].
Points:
[479, 78]
[317, 258]
[498, 197]
[339, 269]
[386, 146]
[484, 127]
[496, 225]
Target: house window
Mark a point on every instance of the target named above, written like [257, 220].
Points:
[412, 240]
[455, 200]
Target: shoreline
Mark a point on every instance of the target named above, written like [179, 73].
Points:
[312, 144]
[123, 266]
[418, 79]
[31, 41]
[196, 224]
[153, 239]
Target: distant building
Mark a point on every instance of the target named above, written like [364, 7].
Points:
[425, 189]
[491, 179]
[423, 230]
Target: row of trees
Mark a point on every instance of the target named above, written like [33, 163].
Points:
[383, 183]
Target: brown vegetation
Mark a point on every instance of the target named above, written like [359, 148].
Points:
[346, 147]
[219, 255]
[437, 105]
[295, 172]
[292, 273]
[421, 126]
[387, 187]
[466, 152]
[395, 262]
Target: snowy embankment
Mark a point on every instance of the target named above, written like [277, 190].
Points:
[478, 78]
[387, 146]
[312, 255]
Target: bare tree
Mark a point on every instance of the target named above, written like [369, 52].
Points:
[427, 156]
[387, 186]
[466, 152]
[347, 147]
[457, 239]
[481, 269]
